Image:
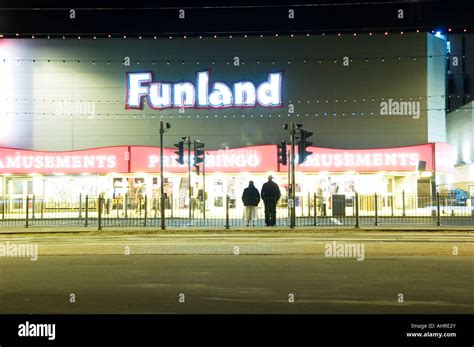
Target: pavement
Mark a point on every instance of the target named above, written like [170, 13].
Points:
[245, 242]
[221, 230]
[238, 271]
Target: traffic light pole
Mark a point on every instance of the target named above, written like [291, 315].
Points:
[162, 185]
[204, 187]
[292, 164]
[189, 176]
[289, 187]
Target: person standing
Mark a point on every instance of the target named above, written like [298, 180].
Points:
[270, 196]
[251, 199]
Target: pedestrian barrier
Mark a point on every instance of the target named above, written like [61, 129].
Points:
[144, 211]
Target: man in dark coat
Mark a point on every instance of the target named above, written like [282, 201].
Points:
[251, 199]
[270, 196]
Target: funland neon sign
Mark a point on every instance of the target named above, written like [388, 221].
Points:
[161, 95]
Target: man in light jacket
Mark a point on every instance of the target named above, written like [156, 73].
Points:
[251, 199]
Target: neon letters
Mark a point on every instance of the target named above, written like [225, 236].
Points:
[202, 94]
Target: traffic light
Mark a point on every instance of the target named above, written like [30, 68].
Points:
[282, 154]
[198, 154]
[303, 144]
[180, 152]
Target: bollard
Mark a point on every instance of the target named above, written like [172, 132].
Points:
[146, 210]
[376, 209]
[227, 226]
[357, 209]
[438, 210]
[27, 210]
[99, 211]
[87, 211]
[314, 209]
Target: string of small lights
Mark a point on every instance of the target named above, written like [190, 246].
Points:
[272, 115]
[220, 35]
[306, 101]
[288, 61]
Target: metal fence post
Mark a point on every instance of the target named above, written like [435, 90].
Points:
[391, 204]
[27, 210]
[146, 209]
[125, 204]
[309, 204]
[353, 206]
[438, 210]
[3, 208]
[227, 226]
[314, 209]
[99, 211]
[357, 209]
[33, 207]
[42, 208]
[376, 209]
[403, 203]
[87, 210]
[171, 205]
[80, 206]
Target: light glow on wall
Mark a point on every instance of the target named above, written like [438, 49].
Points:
[6, 87]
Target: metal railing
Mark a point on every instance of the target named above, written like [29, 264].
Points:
[311, 210]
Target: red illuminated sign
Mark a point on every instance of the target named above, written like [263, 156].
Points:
[130, 159]
[368, 160]
[98, 160]
[252, 159]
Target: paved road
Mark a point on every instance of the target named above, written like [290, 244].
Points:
[138, 272]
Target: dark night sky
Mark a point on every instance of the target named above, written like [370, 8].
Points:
[147, 18]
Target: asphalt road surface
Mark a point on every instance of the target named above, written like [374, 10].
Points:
[384, 282]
